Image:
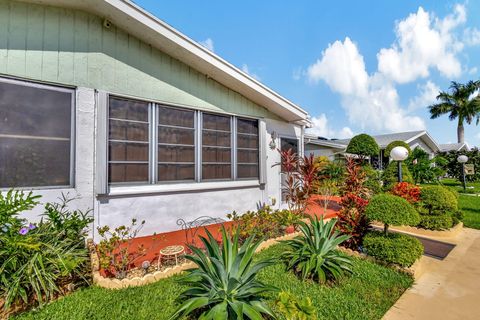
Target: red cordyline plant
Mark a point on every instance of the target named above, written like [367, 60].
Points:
[301, 179]
[351, 218]
[407, 191]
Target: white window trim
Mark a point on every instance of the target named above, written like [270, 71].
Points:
[155, 187]
[59, 88]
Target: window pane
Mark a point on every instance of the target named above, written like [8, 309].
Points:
[120, 151]
[216, 122]
[174, 172]
[247, 156]
[128, 172]
[176, 154]
[216, 138]
[216, 155]
[34, 162]
[216, 171]
[35, 124]
[289, 144]
[128, 109]
[250, 142]
[247, 171]
[32, 111]
[176, 135]
[176, 117]
[247, 126]
[124, 130]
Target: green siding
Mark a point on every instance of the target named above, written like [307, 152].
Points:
[72, 47]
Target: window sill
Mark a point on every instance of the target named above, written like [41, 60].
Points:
[181, 187]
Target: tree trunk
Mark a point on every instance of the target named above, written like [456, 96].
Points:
[460, 132]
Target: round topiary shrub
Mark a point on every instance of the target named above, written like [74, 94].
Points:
[363, 145]
[394, 144]
[390, 175]
[394, 248]
[437, 200]
[391, 210]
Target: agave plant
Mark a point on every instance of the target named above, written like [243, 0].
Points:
[313, 254]
[224, 285]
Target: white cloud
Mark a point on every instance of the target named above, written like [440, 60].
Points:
[321, 128]
[208, 43]
[246, 69]
[298, 73]
[473, 70]
[471, 36]
[477, 136]
[423, 42]
[428, 95]
[341, 67]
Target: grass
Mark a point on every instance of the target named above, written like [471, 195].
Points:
[470, 205]
[367, 294]
[472, 187]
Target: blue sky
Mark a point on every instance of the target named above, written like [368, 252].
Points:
[356, 66]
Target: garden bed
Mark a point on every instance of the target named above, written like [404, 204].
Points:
[367, 294]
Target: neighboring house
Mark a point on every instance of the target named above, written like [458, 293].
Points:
[101, 100]
[454, 147]
[335, 148]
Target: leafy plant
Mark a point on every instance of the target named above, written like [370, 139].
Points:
[454, 168]
[327, 189]
[395, 248]
[407, 191]
[38, 261]
[313, 254]
[391, 210]
[363, 145]
[293, 308]
[438, 208]
[397, 143]
[224, 285]
[373, 181]
[264, 222]
[115, 250]
[423, 168]
[351, 218]
[390, 174]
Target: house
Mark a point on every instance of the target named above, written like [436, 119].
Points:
[335, 148]
[447, 147]
[103, 101]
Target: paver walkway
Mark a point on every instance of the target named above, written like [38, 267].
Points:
[448, 289]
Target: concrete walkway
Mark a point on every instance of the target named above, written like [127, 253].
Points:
[448, 289]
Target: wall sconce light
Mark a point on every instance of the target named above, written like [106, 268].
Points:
[273, 141]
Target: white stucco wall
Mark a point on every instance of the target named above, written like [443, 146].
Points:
[159, 210]
[422, 145]
[321, 151]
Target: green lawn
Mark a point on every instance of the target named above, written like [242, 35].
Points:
[472, 187]
[367, 294]
[470, 205]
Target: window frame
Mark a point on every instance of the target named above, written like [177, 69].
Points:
[153, 182]
[58, 88]
[258, 164]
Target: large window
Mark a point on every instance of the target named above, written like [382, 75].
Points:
[247, 148]
[151, 143]
[35, 135]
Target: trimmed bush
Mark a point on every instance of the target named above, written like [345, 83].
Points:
[373, 181]
[393, 248]
[394, 144]
[437, 200]
[390, 175]
[363, 145]
[391, 210]
[437, 222]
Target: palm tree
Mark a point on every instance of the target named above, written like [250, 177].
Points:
[463, 103]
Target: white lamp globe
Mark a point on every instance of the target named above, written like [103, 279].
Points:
[462, 159]
[399, 153]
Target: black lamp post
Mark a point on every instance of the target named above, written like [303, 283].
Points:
[463, 159]
[399, 154]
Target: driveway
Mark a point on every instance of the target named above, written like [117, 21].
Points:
[448, 289]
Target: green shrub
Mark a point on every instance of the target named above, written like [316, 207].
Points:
[313, 254]
[393, 248]
[373, 180]
[363, 145]
[436, 222]
[390, 175]
[391, 210]
[394, 144]
[437, 200]
[293, 308]
[38, 261]
[224, 286]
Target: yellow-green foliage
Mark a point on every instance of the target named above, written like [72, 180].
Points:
[392, 210]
